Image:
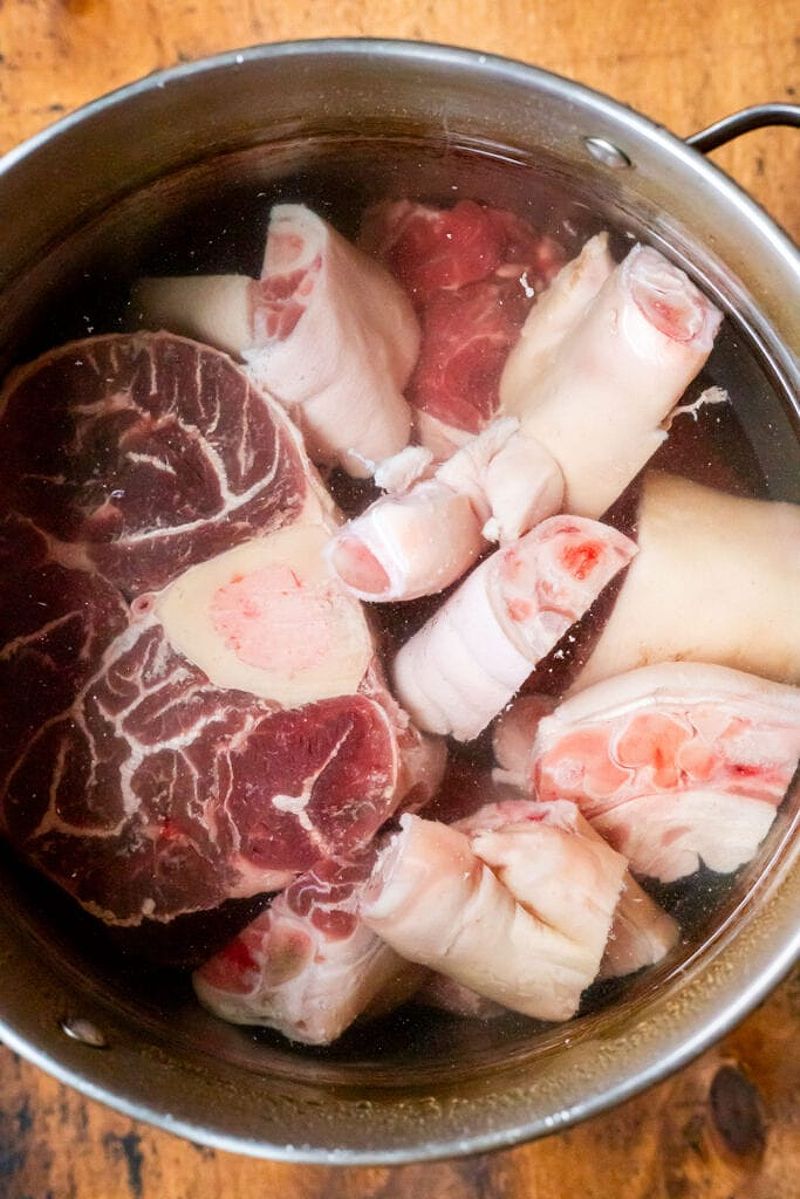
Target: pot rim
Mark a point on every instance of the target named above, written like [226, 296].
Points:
[711, 1025]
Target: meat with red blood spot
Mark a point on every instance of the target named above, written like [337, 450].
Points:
[473, 272]
[580, 560]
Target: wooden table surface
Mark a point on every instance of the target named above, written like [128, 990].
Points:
[729, 1125]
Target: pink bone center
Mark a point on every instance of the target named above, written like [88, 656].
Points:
[271, 620]
[358, 567]
[666, 298]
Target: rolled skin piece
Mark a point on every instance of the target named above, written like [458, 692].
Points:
[326, 330]
[717, 579]
[596, 385]
[674, 764]
[464, 665]
[307, 966]
[422, 539]
[437, 904]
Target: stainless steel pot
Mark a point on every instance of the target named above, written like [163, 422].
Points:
[99, 188]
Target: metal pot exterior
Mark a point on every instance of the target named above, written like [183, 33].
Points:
[165, 1060]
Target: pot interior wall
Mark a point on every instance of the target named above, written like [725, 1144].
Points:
[209, 216]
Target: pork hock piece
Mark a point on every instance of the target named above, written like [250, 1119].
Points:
[434, 900]
[472, 272]
[307, 965]
[603, 358]
[464, 665]
[673, 764]
[557, 866]
[419, 540]
[162, 600]
[325, 330]
[555, 863]
[733, 567]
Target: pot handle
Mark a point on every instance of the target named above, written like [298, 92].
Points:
[757, 117]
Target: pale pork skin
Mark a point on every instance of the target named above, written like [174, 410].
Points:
[595, 381]
[733, 566]
[422, 538]
[308, 966]
[435, 902]
[465, 664]
[675, 764]
[325, 330]
[557, 866]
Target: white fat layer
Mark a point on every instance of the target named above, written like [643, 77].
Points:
[398, 473]
[555, 314]
[437, 436]
[732, 568]
[667, 836]
[185, 610]
[642, 933]
[681, 684]
[214, 309]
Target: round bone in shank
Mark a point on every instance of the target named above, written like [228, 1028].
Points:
[436, 903]
[597, 397]
[465, 664]
[732, 567]
[674, 763]
[270, 618]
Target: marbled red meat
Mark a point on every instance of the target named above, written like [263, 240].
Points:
[472, 272]
[466, 338]
[127, 775]
[159, 453]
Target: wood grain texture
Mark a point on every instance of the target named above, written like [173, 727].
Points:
[730, 1124]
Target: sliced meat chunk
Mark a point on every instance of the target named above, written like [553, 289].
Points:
[472, 271]
[145, 765]
[159, 454]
